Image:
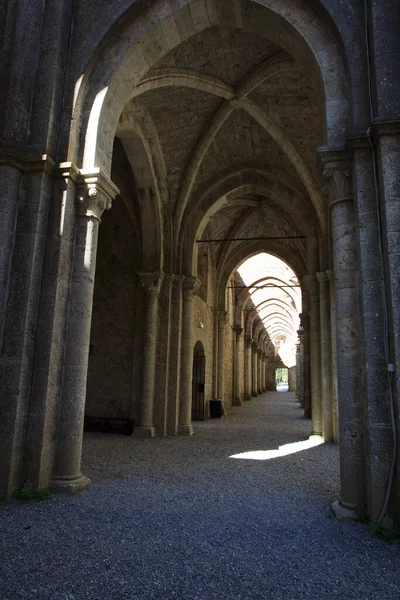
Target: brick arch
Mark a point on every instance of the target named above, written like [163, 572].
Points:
[143, 35]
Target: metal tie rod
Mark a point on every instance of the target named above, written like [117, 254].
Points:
[255, 239]
[259, 287]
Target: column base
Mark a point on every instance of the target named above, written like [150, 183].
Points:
[69, 486]
[344, 514]
[185, 430]
[247, 397]
[238, 402]
[144, 432]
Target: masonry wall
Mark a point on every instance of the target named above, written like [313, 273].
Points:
[204, 314]
[109, 388]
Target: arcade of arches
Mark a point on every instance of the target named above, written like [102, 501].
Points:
[150, 153]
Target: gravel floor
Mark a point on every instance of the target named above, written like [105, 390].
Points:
[177, 518]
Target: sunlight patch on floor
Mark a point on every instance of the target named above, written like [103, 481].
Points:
[314, 440]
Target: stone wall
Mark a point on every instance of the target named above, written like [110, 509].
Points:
[204, 314]
[109, 387]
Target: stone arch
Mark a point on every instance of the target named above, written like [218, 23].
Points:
[272, 278]
[140, 37]
[251, 317]
[278, 310]
[232, 187]
[244, 251]
[136, 126]
[241, 302]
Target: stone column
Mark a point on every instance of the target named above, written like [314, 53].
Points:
[326, 362]
[305, 327]
[292, 379]
[345, 258]
[175, 356]
[271, 362]
[9, 199]
[95, 194]
[259, 371]
[264, 372]
[222, 323]
[247, 368]
[376, 345]
[334, 381]
[151, 283]
[300, 380]
[163, 356]
[190, 287]
[254, 369]
[25, 201]
[215, 355]
[315, 355]
[238, 341]
[298, 371]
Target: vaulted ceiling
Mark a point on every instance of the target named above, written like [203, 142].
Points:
[228, 101]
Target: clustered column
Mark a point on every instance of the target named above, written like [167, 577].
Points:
[247, 368]
[222, 323]
[300, 368]
[315, 355]
[238, 341]
[190, 287]
[334, 378]
[151, 283]
[259, 371]
[306, 391]
[326, 371]
[254, 369]
[264, 372]
[345, 258]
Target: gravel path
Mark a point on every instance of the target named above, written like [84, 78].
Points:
[177, 518]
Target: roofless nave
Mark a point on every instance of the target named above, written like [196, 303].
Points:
[214, 131]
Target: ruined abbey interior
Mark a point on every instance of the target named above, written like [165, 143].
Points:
[149, 151]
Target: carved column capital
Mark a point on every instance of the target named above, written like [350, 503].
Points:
[323, 277]
[95, 193]
[238, 331]
[254, 346]
[223, 318]
[304, 321]
[151, 283]
[247, 340]
[190, 287]
[311, 285]
[337, 171]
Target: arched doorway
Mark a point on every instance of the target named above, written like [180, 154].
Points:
[282, 379]
[198, 382]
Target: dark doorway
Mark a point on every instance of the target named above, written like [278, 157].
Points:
[198, 382]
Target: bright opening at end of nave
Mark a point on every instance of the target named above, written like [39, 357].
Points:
[276, 296]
